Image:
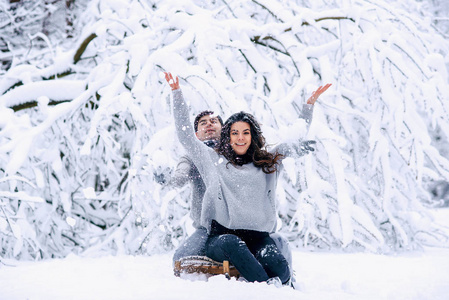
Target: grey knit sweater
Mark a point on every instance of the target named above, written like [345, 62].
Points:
[237, 197]
[186, 172]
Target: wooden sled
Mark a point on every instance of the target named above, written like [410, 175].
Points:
[205, 265]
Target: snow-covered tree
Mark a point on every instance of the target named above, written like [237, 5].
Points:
[87, 123]
[31, 27]
[440, 14]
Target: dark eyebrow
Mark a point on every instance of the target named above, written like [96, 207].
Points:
[245, 130]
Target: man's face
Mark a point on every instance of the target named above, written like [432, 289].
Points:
[209, 128]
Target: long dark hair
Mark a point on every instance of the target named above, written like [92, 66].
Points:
[256, 153]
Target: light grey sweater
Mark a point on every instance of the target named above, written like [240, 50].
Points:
[237, 197]
[186, 172]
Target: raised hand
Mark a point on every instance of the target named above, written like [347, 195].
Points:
[307, 146]
[174, 84]
[317, 93]
[304, 147]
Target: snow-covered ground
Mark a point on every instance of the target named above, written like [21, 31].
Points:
[411, 275]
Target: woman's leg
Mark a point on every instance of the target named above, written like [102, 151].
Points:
[230, 247]
[284, 247]
[272, 260]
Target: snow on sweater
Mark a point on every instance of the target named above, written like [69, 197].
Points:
[237, 197]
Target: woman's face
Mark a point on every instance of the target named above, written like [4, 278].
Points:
[240, 137]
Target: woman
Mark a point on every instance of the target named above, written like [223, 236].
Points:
[239, 208]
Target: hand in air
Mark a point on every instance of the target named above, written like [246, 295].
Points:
[317, 93]
[307, 146]
[174, 84]
[161, 176]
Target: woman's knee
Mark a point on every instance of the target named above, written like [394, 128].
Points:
[225, 245]
[230, 242]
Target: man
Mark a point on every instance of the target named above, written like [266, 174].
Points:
[207, 127]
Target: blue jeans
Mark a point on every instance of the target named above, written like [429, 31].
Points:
[254, 254]
[195, 245]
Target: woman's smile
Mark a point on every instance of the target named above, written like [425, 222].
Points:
[240, 137]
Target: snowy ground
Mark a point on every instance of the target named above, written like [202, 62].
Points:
[412, 275]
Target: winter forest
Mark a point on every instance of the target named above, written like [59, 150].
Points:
[86, 118]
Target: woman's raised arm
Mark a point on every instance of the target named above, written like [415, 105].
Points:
[174, 83]
[317, 93]
[184, 130]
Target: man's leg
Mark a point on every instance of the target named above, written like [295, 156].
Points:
[230, 247]
[194, 245]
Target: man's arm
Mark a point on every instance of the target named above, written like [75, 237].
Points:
[177, 178]
[182, 173]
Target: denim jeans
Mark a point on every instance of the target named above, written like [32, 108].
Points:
[254, 254]
[195, 245]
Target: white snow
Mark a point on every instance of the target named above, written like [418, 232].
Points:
[54, 89]
[412, 275]
[319, 275]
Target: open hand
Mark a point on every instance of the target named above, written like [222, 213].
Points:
[317, 93]
[307, 146]
[174, 84]
[304, 147]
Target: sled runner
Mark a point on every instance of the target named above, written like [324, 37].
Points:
[205, 265]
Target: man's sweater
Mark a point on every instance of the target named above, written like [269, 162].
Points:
[186, 171]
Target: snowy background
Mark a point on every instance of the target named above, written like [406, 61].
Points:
[85, 124]
[414, 275]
